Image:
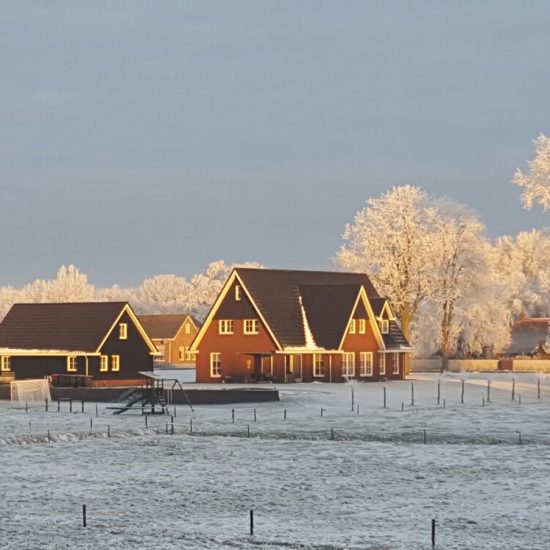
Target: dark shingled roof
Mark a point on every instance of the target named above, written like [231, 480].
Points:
[276, 292]
[528, 335]
[164, 326]
[328, 309]
[395, 340]
[61, 326]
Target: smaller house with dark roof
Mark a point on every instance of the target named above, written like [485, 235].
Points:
[172, 336]
[102, 341]
[282, 325]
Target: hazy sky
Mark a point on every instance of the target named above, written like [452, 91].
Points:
[144, 137]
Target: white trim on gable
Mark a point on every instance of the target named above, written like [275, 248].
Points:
[219, 300]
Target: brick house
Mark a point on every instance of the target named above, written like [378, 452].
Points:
[283, 325]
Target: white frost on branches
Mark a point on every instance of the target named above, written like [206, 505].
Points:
[536, 182]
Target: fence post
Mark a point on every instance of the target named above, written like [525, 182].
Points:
[357, 410]
[58, 405]
[483, 401]
[172, 424]
[438, 392]
[425, 438]
[96, 410]
[248, 430]
[488, 391]
[251, 522]
[83, 515]
[538, 388]
[70, 405]
[26, 407]
[402, 406]
[190, 425]
[443, 403]
[46, 404]
[462, 393]
[433, 533]
[233, 416]
[412, 394]
[91, 423]
[513, 389]
[254, 415]
[384, 397]
[108, 430]
[83, 405]
[332, 433]
[284, 414]
[49, 437]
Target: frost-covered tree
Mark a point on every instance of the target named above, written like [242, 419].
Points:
[388, 240]
[536, 182]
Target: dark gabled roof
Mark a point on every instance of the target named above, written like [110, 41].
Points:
[394, 339]
[61, 326]
[328, 309]
[377, 305]
[164, 326]
[276, 293]
[528, 335]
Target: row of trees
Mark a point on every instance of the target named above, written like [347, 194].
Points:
[454, 290]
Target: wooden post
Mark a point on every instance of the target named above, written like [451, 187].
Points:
[91, 423]
[433, 533]
[332, 433]
[46, 405]
[146, 422]
[248, 430]
[538, 388]
[384, 397]
[254, 415]
[412, 394]
[284, 414]
[513, 389]
[402, 406]
[322, 411]
[190, 425]
[438, 392]
[462, 393]
[58, 405]
[519, 438]
[49, 437]
[108, 430]
[172, 424]
[251, 522]
[488, 391]
[70, 405]
[96, 410]
[26, 407]
[352, 399]
[425, 438]
[233, 416]
[83, 515]
[82, 405]
[357, 410]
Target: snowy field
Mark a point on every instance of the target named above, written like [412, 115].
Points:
[324, 477]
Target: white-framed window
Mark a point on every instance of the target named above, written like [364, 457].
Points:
[123, 331]
[72, 365]
[348, 364]
[6, 363]
[187, 328]
[318, 364]
[384, 326]
[215, 365]
[189, 355]
[365, 363]
[181, 353]
[396, 363]
[225, 326]
[251, 326]
[352, 326]
[362, 326]
[115, 363]
[237, 293]
[382, 364]
[103, 363]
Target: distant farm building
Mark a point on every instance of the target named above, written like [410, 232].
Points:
[530, 338]
[172, 336]
[304, 326]
[88, 343]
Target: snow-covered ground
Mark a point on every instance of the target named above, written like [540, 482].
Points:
[343, 479]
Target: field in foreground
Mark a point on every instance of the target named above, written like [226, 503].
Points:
[346, 479]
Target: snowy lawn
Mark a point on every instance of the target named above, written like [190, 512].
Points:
[346, 479]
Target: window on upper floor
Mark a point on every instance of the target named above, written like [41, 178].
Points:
[225, 326]
[384, 326]
[187, 328]
[237, 293]
[251, 326]
[352, 326]
[115, 363]
[362, 326]
[123, 331]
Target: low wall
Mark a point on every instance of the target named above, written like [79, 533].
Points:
[455, 365]
[531, 365]
[196, 396]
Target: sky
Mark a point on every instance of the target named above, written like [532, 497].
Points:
[140, 138]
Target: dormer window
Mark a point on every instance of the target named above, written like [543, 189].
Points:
[362, 326]
[187, 328]
[225, 326]
[352, 326]
[237, 293]
[123, 331]
[384, 326]
[72, 365]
